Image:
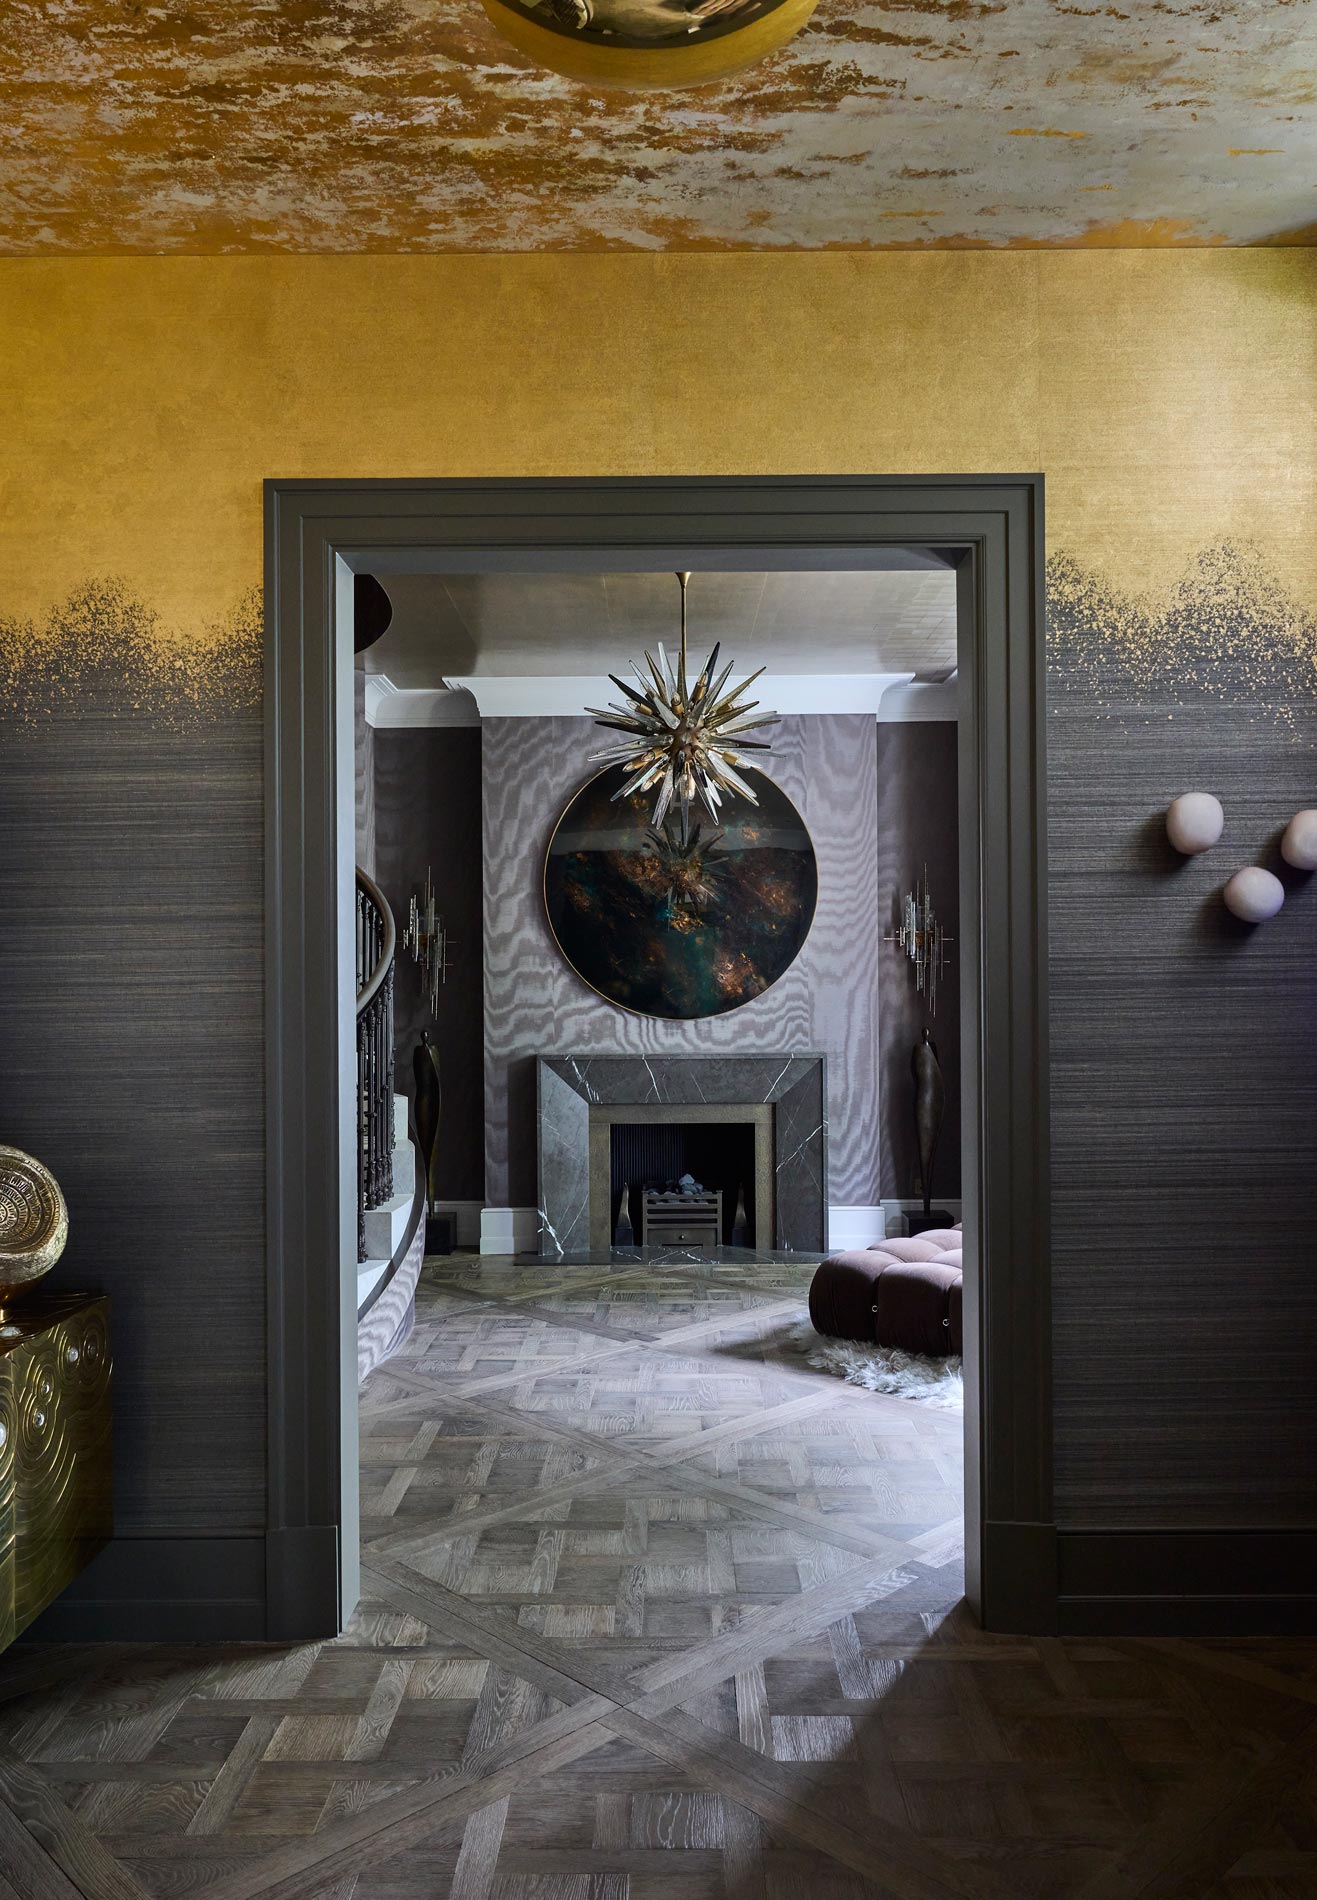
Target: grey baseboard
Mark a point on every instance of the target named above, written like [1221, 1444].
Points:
[1019, 1561]
[302, 1584]
[1187, 1582]
[163, 1589]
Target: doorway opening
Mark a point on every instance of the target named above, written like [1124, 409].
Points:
[805, 530]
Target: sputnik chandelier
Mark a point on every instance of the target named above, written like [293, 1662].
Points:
[685, 741]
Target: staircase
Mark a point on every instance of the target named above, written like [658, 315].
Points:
[385, 1227]
[390, 1199]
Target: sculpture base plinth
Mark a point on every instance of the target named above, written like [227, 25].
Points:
[920, 1223]
[438, 1233]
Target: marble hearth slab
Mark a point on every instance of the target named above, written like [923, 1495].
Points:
[795, 1084]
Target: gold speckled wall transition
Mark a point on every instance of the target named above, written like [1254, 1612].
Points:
[1168, 397]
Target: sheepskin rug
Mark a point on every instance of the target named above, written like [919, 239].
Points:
[902, 1375]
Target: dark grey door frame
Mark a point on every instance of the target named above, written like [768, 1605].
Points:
[317, 534]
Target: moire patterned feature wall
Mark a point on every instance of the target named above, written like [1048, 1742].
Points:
[536, 1005]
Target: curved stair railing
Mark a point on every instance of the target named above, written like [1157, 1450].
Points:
[404, 1247]
[376, 941]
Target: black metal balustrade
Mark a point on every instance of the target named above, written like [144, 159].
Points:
[376, 938]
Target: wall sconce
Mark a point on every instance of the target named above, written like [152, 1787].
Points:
[1253, 895]
[1194, 822]
[924, 941]
[428, 941]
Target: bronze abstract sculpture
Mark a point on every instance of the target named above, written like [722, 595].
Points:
[34, 1223]
[427, 1108]
[930, 1101]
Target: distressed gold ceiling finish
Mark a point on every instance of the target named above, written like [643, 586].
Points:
[409, 125]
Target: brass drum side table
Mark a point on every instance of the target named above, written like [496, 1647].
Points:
[56, 1476]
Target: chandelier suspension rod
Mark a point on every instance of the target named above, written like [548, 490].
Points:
[683, 580]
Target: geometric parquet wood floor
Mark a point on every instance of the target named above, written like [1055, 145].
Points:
[652, 1612]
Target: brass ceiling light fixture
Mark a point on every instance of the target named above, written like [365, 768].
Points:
[648, 45]
[685, 740]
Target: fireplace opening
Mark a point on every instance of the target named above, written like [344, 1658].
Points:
[654, 1157]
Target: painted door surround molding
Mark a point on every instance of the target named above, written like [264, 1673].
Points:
[318, 533]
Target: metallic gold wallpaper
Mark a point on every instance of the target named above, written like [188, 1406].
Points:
[1170, 398]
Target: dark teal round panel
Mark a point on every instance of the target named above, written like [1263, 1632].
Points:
[686, 921]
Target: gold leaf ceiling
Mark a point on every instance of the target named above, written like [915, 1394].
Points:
[407, 125]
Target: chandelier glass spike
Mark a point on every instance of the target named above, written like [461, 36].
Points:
[684, 742]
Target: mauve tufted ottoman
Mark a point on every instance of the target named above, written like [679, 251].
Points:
[902, 1293]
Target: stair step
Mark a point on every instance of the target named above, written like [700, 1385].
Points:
[369, 1275]
[387, 1225]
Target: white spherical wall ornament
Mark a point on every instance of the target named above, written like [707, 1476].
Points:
[1253, 895]
[1194, 822]
[1299, 845]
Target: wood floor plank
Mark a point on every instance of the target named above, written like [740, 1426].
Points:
[1177, 1857]
[772, 1509]
[26, 1670]
[226, 1789]
[517, 1650]
[661, 1684]
[80, 1858]
[24, 1862]
[901, 1868]
[477, 1863]
[1238, 1663]
[296, 1871]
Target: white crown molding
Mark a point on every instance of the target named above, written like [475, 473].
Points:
[567, 696]
[389, 706]
[908, 701]
[896, 698]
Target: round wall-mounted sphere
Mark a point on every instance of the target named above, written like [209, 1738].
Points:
[648, 45]
[1299, 845]
[1253, 894]
[1194, 822]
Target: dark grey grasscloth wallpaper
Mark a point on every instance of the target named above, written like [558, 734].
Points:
[1184, 1057]
[131, 1010]
[427, 813]
[918, 826]
[827, 1000]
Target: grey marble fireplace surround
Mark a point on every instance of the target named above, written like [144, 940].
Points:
[569, 1086]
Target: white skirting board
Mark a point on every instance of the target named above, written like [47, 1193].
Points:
[854, 1227]
[509, 1229]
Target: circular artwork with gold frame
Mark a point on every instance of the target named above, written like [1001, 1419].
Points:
[648, 44]
[688, 920]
